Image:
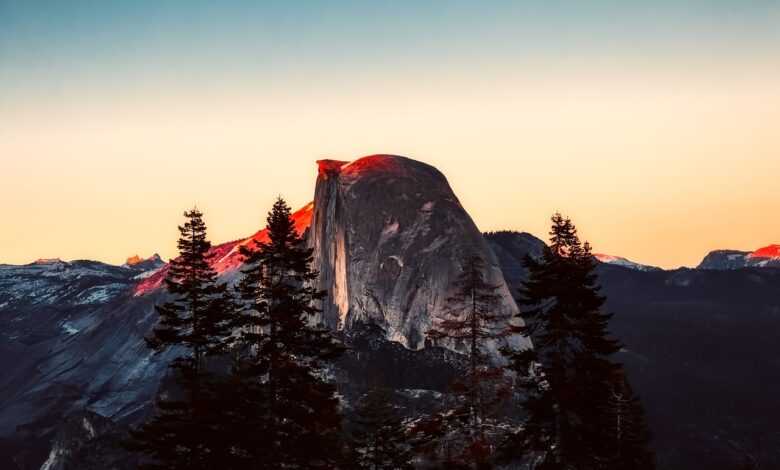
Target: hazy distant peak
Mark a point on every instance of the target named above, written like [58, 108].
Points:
[620, 261]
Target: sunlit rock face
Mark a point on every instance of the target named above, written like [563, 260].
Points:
[389, 239]
[152, 262]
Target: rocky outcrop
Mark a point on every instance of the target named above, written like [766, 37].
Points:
[149, 264]
[389, 238]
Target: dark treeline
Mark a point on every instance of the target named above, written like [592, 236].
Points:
[253, 386]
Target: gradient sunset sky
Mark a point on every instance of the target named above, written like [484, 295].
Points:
[655, 125]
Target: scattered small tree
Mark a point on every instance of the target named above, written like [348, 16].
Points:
[380, 438]
[626, 436]
[473, 319]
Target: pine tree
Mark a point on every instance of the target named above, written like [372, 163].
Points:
[626, 437]
[380, 441]
[287, 414]
[472, 320]
[568, 376]
[197, 321]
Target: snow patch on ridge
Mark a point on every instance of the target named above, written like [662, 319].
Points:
[146, 274]
[99, 294]
[618, 261]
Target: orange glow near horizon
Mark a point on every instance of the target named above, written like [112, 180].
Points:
[657, 167]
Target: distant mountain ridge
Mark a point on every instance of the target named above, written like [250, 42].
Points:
[765, 257]
[626, 263]
[511, 247]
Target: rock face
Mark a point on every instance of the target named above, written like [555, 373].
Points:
[389, 238]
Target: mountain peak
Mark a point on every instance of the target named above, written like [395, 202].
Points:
[371, 164]
[137, 261]
[768, 256]
[133, 260]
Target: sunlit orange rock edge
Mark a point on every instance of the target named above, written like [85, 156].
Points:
[770, 251]
[226, 256]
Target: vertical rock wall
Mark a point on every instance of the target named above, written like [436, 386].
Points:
[389, 238]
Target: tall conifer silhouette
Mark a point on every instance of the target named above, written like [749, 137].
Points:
[289, 416]
[568, 377]
[197, 320]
